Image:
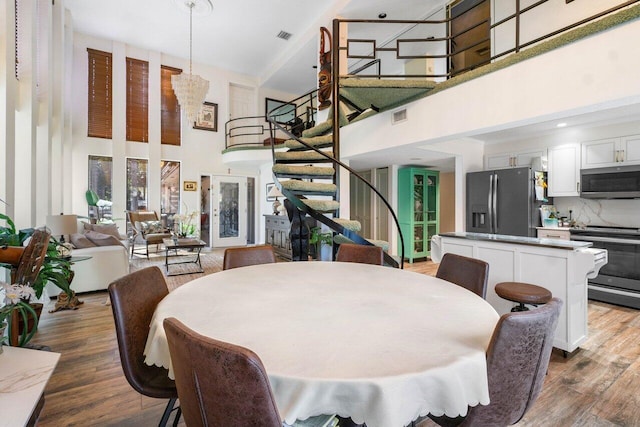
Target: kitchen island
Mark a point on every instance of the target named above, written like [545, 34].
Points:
[562, 266]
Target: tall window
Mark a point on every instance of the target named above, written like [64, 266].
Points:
[100, 172]
[170, 186]
[170, 119]
[137, 100]
[137, 184]
[99, 94]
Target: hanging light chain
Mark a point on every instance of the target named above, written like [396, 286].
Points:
[191, 6]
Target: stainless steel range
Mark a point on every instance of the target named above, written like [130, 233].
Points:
[619, 280]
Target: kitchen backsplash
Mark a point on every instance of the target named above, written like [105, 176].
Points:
[621, 213]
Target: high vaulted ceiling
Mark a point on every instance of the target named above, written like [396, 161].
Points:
[238, 35]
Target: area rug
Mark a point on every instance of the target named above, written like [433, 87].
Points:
[211, 263]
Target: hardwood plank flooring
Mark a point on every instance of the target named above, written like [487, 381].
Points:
[598, 386]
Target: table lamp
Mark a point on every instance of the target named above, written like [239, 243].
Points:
[62, 225]
[275, 192]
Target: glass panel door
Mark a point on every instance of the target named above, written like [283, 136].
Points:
[205, 209]
[229, 211]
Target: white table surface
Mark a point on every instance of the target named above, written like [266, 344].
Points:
[23, 375]
[377, 344]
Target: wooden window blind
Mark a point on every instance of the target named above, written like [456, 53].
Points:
[99, 94]
[170, 109]
[137, 100]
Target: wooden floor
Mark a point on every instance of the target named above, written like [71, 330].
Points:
[598, 386]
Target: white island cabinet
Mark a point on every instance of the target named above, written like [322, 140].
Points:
[561, 266]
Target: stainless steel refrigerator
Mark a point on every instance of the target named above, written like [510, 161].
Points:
[502, 202]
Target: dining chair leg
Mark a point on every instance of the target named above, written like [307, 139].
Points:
[167, 412]
[176, 420]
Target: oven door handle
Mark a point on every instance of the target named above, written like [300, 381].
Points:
[606, 239]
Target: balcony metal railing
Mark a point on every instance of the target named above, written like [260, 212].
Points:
[431, 40]
[253, 131]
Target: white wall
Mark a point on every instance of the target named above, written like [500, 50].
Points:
[199, 152]
[548, 17]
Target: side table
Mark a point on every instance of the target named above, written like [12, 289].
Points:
[64, 301]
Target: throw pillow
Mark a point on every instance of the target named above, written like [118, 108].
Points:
[151, 227]
[79, 241]
[110, 229]
[101, 239]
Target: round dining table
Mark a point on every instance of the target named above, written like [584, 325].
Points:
[383, 346]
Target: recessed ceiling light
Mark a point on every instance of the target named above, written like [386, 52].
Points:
[561, 125]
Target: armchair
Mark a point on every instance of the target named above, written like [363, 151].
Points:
[147, 229]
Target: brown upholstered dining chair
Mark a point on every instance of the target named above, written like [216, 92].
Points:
[517, 362]
[134, 298]
[364, 254]
[219, 384]
[147, 229]
[250, 255]
[470, 273]
[32, 258]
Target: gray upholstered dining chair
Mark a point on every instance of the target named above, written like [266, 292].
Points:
[250, 255]
[134, 298]
[364, 254]
[470, 273]
[517, 362]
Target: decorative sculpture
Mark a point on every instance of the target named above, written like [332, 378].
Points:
[324, 75]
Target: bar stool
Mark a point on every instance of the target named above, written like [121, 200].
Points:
[523, 293]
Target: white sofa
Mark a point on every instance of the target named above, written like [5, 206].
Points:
[106, 264]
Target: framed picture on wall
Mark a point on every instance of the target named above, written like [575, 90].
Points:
[284, 112]
[207, 117]
[190, 186]
[269, 187]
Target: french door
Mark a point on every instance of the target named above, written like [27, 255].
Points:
[227, 210]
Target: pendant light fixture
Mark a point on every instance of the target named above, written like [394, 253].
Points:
[191, 89]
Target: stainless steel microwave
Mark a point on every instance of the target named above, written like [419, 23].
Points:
[616, 182]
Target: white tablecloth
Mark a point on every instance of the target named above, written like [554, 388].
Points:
[377, 344]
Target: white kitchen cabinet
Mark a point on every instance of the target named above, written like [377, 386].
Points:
[559, 266]
[563, 171]
[561, 233]
[611, 152]
[512, 160]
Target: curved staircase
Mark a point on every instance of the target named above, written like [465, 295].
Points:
[306, 175]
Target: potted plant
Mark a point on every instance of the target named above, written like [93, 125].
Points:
[54, 269]
[16, 299]
[317, 239]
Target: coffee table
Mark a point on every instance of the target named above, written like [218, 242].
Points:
[192, 244]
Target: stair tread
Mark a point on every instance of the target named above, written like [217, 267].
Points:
[319, 129]
[288, 170]
[322, 205]
[316, 141]
[339, 239]
[308, 187]
[349, 224]
[308, 155]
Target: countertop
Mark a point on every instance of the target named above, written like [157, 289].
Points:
[519, 240]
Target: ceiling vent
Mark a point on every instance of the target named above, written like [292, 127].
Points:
[399, 116]
[284, 35]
